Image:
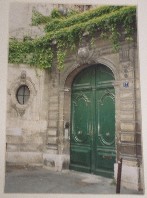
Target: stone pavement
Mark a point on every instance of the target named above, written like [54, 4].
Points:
[41, 180]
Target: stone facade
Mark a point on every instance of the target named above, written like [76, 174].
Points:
[27, 124]
[38, 132]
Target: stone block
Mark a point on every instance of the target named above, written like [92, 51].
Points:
[24, 147]
[128, 126]
[127, 94]
[51, 149]
[49, 157]
[13, 147]
[138, 125]
[54, 91]
[31, 147]
[52, 123]
[52, 140]
[54, 83]
[11, 139]
[127, 105]
[53, 99]
[24, 158]
[139, 150]
[52, 131]
[138, 138]
[53, 115]
[132, 163]
[127, 116]
[14, 131]
[128, 137]
[34, 126]
[128, 149]
[53, 107]
[56, 160]
[33, 138]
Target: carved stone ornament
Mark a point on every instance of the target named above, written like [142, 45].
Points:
[12, 91]
[90, 55]
[85, 56]
[125, 56]
[125, 69]
[23, 75]
[83, 52]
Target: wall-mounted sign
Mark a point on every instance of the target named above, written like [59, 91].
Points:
[126, 84]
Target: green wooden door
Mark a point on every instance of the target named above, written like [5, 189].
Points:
[92, 141]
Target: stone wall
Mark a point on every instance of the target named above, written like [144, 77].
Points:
[27, 124]
[125, 67]
[38, 132]
[20, 19]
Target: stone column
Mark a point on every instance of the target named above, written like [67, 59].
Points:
[63, 129]
[51, 147]
[61, 121]
[127, 129]
[54, 156]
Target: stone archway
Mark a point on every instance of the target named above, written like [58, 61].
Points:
[66, 80]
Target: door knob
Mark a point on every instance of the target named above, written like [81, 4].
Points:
[79, 132]
[107, 134]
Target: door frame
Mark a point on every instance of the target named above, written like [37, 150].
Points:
[66, 80]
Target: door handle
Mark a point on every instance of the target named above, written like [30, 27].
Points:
[107, 157]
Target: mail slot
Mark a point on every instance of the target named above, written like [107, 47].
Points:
[107, 157]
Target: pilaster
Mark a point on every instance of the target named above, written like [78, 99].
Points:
[127, 135]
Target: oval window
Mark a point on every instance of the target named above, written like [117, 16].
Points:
[23, 94]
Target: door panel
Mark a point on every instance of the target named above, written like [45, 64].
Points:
[105, 129]
[80, 158]
[105, 117]
[81, 128]
[104, 163]
[92, 145]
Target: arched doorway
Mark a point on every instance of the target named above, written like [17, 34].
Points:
[92, 139]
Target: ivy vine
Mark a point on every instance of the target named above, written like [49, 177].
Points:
[79, 18]
[63, 35]
[40, 19]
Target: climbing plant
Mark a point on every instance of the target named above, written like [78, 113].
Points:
[65, 33]
[40, 19]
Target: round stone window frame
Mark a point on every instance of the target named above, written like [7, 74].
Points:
[13, 91]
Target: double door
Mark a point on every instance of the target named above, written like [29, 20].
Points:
[92, 141]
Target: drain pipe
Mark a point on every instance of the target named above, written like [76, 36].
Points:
[119, 176]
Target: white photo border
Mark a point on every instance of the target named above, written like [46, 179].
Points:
[142, 43]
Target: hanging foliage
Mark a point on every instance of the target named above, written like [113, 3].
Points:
[65, 34]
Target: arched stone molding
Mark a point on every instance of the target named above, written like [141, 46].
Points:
[66, 80]
[71, 72]
[22, 80]
[110, 65]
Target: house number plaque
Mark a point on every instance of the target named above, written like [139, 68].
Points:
[126, 84]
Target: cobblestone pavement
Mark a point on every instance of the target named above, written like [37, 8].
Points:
[41, 180]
